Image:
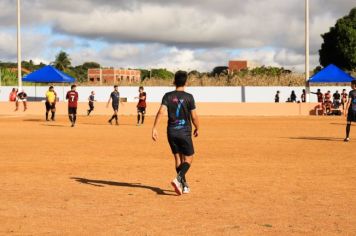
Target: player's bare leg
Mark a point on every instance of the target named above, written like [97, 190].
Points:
[114, 117]
[17, 106]
[24, 106]
[348, 129]
[71, 119]
[142, 117]
[138, 118]
[53, 111]
[183, 164]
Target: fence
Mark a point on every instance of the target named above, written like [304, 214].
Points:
[201, 94]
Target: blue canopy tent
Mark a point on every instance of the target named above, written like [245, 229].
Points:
[331, 74]
[48, 74]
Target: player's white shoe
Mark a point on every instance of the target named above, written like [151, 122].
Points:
[346, 140]
[186, 190]
[177, 186]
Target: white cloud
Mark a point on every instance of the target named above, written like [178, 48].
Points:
[191, 34]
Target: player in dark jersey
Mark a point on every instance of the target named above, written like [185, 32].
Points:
[91, 100]
[115, 99]
[141, 106]
[336, 99]
[181, 113]
[351, 110]
[72, 97]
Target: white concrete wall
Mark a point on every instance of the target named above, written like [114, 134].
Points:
[201, 94]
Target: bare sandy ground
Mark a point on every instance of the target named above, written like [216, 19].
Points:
[251, 176]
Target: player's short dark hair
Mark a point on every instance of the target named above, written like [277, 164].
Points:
[141, 87]
[115, 86]
[51, 87]
[353, 82]
[73, 86]
[180, 78]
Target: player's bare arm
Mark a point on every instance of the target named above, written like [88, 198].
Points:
[195, 121]
[107, 105]
[162, 110]
[348, 103]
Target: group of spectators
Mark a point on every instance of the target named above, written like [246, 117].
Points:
[327, 102]
[292, 98]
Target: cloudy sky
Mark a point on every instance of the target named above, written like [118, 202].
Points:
[184, 34]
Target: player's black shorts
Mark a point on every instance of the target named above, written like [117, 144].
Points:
[91, 105]
[115, 106]
[50, 106]
[141, 110]
[181, 141]
[72, 110]
[351, 116]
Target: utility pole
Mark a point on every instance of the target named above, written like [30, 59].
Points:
[19, 60]
[307, 69]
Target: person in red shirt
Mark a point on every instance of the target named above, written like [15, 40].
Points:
[141, 106]
[320, 97]
[327, 103]
[13, 95]
[72, 97]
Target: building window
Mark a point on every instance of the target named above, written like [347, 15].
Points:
[91, 79]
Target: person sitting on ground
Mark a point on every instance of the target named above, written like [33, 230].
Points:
[13, 95]
[21, 97]
[336, 99]
[293, 97]
[276, 97]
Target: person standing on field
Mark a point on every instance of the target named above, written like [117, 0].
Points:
[72, 97]
[141, 106]
[181, 110]
[91, 100]
[51, 99]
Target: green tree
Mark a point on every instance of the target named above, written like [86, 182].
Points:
[162, 74]
[145, 74]
[62, 61]
[339, 46]
[90, 65]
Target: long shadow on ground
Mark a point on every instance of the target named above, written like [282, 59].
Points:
[341, 124]
[330, 139]
[102, 183]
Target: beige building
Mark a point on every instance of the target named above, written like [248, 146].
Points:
[113, 76]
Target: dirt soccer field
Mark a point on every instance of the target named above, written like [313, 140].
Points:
[251, 176]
